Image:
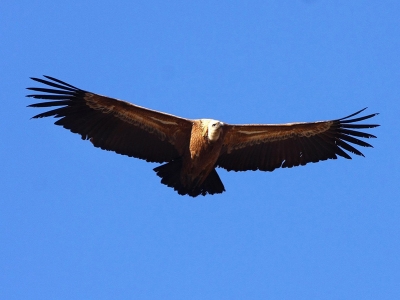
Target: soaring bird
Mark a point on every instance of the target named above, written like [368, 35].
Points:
[192, 149]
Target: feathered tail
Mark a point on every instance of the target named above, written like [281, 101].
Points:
[170, 174]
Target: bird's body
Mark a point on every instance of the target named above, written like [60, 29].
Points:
[205, 146]
[192, 149]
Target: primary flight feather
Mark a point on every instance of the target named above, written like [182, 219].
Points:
[192, 149]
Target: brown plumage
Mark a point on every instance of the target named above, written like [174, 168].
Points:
[192, 149]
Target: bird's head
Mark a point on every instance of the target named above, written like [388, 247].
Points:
[214, 129]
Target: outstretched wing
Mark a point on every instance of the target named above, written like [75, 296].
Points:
[112, 124]
[267, 147]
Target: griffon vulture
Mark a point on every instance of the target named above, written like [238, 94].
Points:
[192, 149]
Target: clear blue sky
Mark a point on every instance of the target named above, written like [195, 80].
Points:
[77, 222]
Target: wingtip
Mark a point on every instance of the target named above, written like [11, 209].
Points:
[36, 78]
[361, 110]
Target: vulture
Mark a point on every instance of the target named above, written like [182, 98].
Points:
[192, 149]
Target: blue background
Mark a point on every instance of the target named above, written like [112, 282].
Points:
[77, 222]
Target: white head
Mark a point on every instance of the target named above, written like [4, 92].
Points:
[214, 129]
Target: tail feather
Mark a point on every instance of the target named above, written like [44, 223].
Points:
[213, 184]
[170, 174]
